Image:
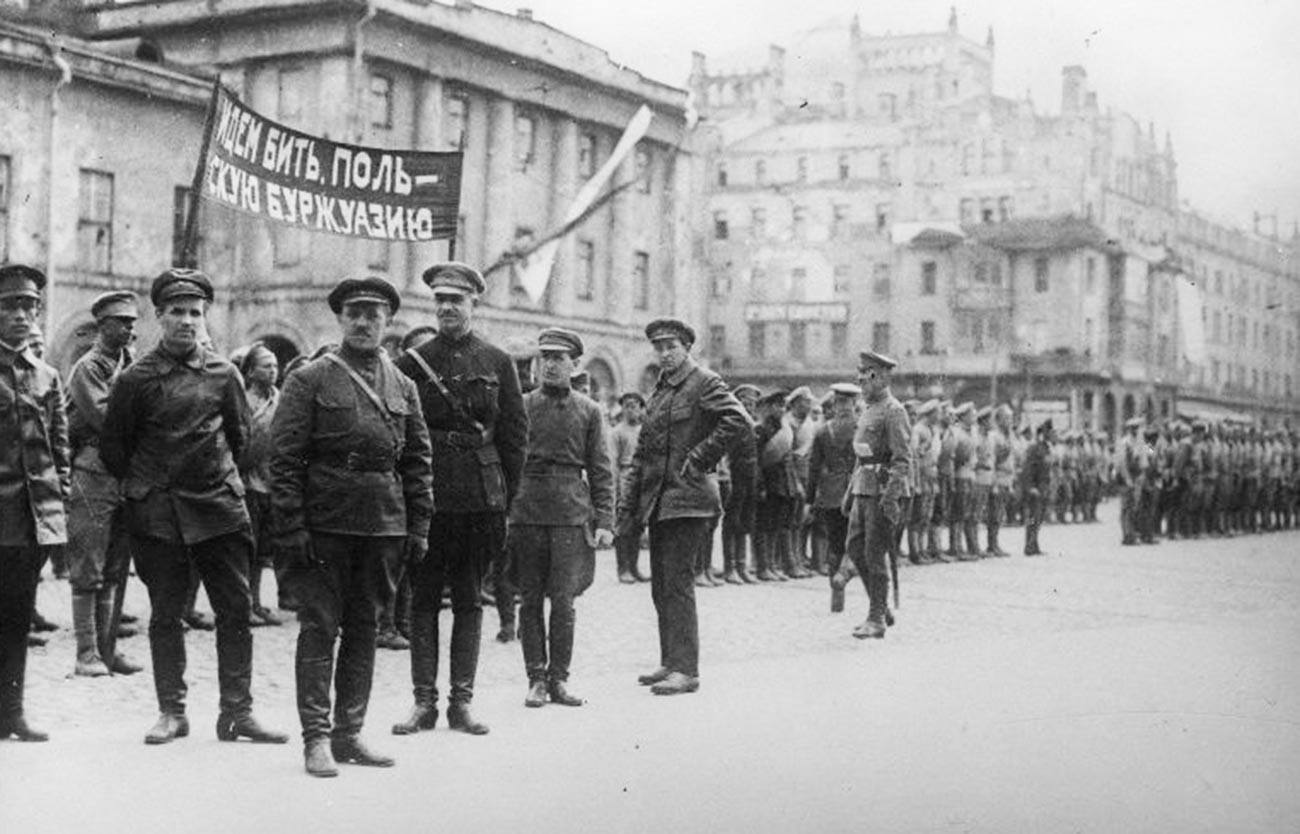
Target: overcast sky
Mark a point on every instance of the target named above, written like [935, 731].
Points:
[1220, 75]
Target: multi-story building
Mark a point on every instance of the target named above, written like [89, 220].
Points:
[535, 112]
[878, 194]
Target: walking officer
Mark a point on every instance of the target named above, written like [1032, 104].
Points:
[830, 469]
[565, 496]
[34, 474]
[99, 548]
[351, 500]
[175, 425]
[881, 445]
[469, 392]
[691, 421]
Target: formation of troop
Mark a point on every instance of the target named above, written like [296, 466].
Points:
[378, 485]
[1188, 480]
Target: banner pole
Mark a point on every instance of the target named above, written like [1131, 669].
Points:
[189, 251]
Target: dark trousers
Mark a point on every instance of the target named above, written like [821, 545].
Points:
[222, 565]
[339, 597]
[461, 549]
[674, 546]
[20, 568]
[1034, 502]
[870, 541]
[556, 563]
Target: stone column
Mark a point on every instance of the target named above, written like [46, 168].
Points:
[564, 186]
[428, 136]
[499, 219]
[620, 294]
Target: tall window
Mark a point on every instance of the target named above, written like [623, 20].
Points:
[798, 283]
[757, 339]
[798, 340]
[880, 337]
[758, 223]
[180, 215]
[843, 279]
[1091, 284]
[929, 277]
[381, 101]
[585, 283]
[4, 208]
[799, 222]
[289, 107]
[760, 172]
[641, 280]
[840, 221]
[880, 281]
[927, 337]
[457, 116]
[717, 340]
[977, 334]
[720, 284]
[845, 169]
[882, 217]
[1004, 209]
[722, 174]
[525, 140]
[587, 155]
[801, 169]
[839, 338]
[885, 165]
[95, 224]
[721, 231]
[1040, 275]
[643, 170]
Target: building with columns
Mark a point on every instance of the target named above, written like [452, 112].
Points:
[877, 194]
[535, 111]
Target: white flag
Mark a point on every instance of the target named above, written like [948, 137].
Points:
[537, 266]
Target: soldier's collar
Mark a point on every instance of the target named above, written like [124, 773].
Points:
[194, 360]
[10, 353]
[675, 378]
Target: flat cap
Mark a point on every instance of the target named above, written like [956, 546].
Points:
[631, 395]
[557, 338]
[927, 407]
[747, 389]
[115, 304]
[670, 329]
[21, 280]
[803, 391]
[454, 276]
[371, 289]
[965, 408]
[846, 389]
[984, 413]
[877, 360]
[178, 282]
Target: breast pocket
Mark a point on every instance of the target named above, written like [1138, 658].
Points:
[481, 393]
[335, 413]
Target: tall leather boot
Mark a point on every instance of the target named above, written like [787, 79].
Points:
[424, 674]
[913, 547]
[994, 546]
[972, 539]
[763, 557]
[466, 629]
[89, 663]
[954, 542]
[730, 555]
[877, 596]
[742, 570]
[108, 612]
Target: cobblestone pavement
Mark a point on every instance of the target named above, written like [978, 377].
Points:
[974, 635]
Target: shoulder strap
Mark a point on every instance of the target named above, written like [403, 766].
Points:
[361, 383]
[457, 409]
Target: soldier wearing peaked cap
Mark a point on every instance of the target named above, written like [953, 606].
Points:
[623, 439]
[563, 511]
[963, 462]
[34, 471]
[999, 443]
[880, 443]
[691, 421]
[923, 542]
[829, 472]
[779, 492]
[351, 504]
[99, 548]
[175, 425]
[739, 499]
[472, 403]
[1037, 482]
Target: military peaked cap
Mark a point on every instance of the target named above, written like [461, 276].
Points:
[178, 282]
[372, 289]
[557, 338]
[21, 280]
[846, 389]
[670, 329]
[878, 360]
[116, 304]
[455, 276]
